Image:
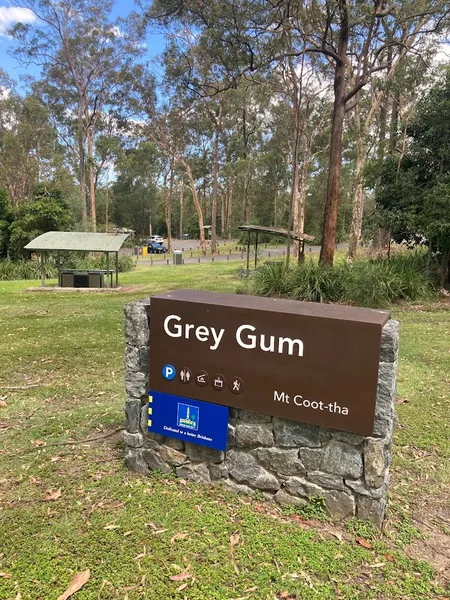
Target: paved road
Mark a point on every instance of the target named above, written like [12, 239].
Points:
[187, 246]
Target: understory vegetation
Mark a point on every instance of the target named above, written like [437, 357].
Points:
[31, 269]
[372, 282]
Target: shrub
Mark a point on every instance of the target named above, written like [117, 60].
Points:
[31, 269]
[375, 283]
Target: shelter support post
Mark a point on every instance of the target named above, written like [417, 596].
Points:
[248, 251]
[117, 269]
[107, 269]
[256, 249]
[58, 264]
[42, 270]
[301, 251]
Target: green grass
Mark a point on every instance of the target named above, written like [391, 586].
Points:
[122, 526]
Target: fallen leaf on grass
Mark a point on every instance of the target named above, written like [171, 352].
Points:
[364, 543]
[337, 535]
[388, 557]
[234, 541]
[5, 575]
[51, 495]
[178, 536]
[18, 596]
[76, 584]
[182, 587]
[2, 404]
[3, 425]
[38, 443]
[180, 576]
[111, 526]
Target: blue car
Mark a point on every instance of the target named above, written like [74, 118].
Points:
[155, 248]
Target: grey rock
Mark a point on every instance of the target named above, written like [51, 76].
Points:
[174, 443]
[155, 462]
[133, 440]
[136, 323]
[385, 402]
[203, 454]
[253, 436]
[348, 438]
[251, 417]
[371, 509]
[153, 440]
[311, 458]
[218, 471]
[231, 438]
[342, 459]
[132, 360]
[136, 384]
[233, 415]
[290, 434]
[374, 462]
[326, 480]
[245, 469]
[172, 456]
[144, 418]
[281, 461]
[359, 486]
[144, 363]
[134, 461]
[232, 486]
[199, 472]
[132, 414]
[301, 487]
[339, 504]
[282, 497]
[389, 342]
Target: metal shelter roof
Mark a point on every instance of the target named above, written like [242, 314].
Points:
[78, 240]
[276, 231]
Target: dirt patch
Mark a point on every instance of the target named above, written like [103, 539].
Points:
[435, 547]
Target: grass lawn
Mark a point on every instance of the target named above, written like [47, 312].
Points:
[67, 503]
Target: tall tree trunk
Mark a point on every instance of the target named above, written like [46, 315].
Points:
[168, 204]
[335, 162]
[302, 190]
[222, 214]
[195, 199]
[229, 202]
[181, 206]
[293, 203]
[82, 163]
[90, 138]
[218, 128]
[358, 201]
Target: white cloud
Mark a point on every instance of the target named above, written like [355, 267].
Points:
[12, 14]
[443, 54]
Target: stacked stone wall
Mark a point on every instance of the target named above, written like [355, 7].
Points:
[287, 461]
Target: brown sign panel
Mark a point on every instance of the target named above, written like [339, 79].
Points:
[307, 362]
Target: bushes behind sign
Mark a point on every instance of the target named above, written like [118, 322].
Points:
[375, 283]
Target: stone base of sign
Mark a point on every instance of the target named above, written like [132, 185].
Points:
[287, 461]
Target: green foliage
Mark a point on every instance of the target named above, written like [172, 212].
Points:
[5, 222]
[48, 211]
[376, 283]
[31, 269]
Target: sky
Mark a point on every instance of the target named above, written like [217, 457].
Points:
[10, 15]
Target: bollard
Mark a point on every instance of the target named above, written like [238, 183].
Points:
[310, 249]
[269, 254]
[212, 258]
[242, 257]
[191, 253]
[228, 257]
[199, 260]
[167, 262]
[183, 261]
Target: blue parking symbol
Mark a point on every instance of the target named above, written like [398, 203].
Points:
[169, 372]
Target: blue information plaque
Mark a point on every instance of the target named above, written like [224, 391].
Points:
[189, 420]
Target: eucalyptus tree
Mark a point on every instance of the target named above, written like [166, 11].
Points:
[84, 58]
[350, 38]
